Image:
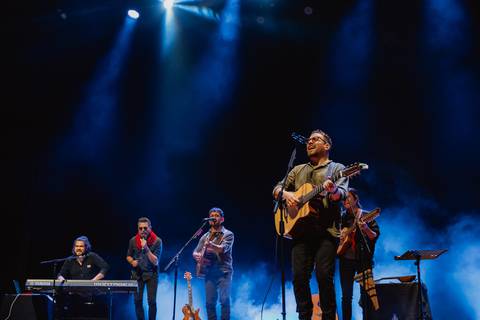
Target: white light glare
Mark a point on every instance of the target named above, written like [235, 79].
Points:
[168, 4]
[133, 14]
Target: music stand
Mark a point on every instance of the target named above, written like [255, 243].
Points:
[418, 255]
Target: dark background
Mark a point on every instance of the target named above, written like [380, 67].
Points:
[170, 131]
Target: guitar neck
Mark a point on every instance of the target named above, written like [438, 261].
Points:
[190, 298]
[370, 215]
[348, 171]
[319, 189]
[365, 218]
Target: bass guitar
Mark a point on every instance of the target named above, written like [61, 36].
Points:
[189, 313]
[306, 193]
[350, 233]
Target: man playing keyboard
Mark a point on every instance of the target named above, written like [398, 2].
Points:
[85, 264]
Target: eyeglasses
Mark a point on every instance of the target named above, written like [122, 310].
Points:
[142, 228]
[315, 139]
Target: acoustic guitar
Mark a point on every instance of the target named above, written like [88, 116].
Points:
[204, 263]
[189, 313]
[350, 233]
[306, 193]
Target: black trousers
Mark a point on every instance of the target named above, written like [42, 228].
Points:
[81, 306]
[307, 256]
[348, 268]
[218, 285]
[151, 283]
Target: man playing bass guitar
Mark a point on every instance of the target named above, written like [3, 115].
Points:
[213, 255]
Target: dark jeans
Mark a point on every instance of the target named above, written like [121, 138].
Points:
[305, 256]
[151, 283]
[348, 268]
[218, 284]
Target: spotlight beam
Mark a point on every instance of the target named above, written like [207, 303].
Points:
[168, 4]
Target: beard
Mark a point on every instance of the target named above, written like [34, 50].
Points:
[311, 152]
[216, 224]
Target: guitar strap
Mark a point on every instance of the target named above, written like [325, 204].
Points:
[214, 236]
[217, 238]
[328, 175]
[329, 170]
[354, 234]
[369, 286]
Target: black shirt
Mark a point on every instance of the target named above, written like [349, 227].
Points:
[144, 264]
[347, 221]
[91, 266]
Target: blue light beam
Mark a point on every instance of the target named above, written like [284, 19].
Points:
[94, 121]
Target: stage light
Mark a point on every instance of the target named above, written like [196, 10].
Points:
[133, 14]
[308, 10]
[168, 4]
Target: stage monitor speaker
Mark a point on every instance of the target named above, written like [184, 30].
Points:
[26, 307]
[399, 301]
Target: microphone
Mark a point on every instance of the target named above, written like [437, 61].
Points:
[73, 257]
[299, 138]
[209, 219]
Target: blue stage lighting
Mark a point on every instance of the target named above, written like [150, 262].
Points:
[168, 4]
[133, 14]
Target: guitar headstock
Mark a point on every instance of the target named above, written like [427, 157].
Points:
[188, 276]
[354, 169]
[371, 215]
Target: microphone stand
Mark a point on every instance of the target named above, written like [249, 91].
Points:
[175, 259]
[55, 262]
[279, 204]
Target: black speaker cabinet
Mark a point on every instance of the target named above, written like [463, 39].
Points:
[26, 307]
[399, 301]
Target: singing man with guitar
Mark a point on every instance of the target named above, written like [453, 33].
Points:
[213, 255]
[314, 235]
[359, 233]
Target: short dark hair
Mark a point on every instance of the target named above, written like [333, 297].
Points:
[144, 219]
[216, 209]
[84, 239]
[325, 136]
